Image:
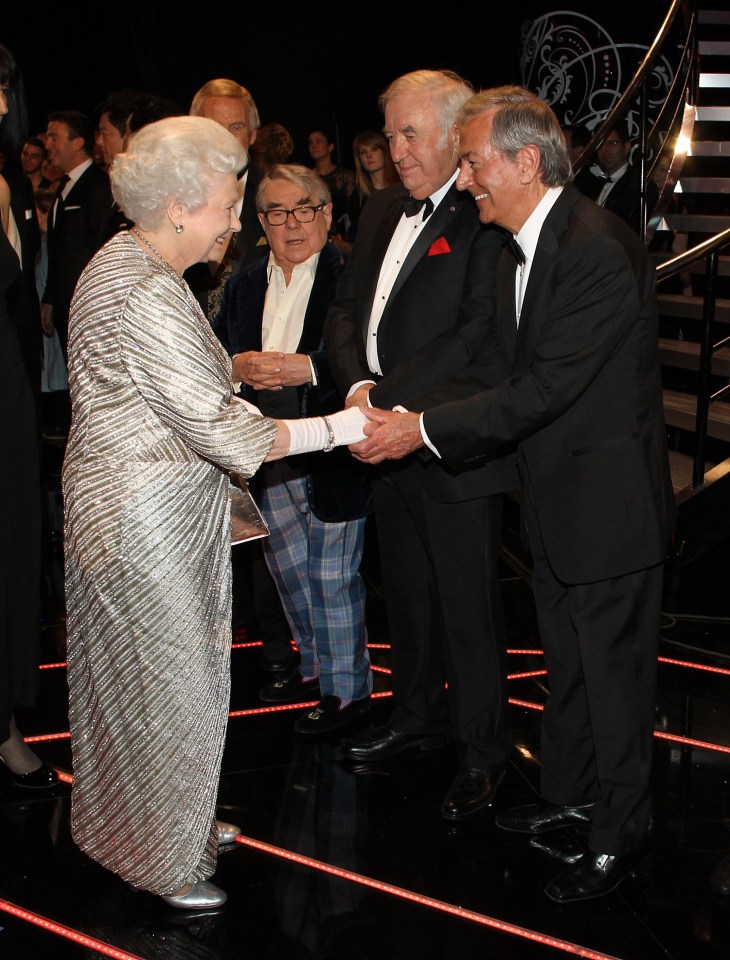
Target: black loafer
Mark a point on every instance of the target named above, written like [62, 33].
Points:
[328, 716]
[543, 817]
[290, 689]
[720, 879]
[383, 742]
[595, 875]
[472, 791]
[41, 779]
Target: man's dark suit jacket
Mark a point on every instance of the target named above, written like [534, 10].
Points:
[624, 196]
[584, 398]
[429, 330]
[249, 243]
[88, 218]
[336, 482]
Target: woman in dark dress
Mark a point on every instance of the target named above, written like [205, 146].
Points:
[20, 503]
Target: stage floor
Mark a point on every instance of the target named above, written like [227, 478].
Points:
[336, 862]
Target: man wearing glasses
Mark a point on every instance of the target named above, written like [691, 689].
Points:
[619, 189]
[271, 322]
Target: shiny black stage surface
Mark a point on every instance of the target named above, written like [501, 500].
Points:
[351, 864]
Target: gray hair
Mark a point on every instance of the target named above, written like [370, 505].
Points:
[180, 158]
[521, 119]
[310, 183]
[448, 91]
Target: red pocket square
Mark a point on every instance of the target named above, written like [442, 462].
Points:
[439, 246]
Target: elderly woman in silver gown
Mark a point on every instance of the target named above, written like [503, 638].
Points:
[156, 430]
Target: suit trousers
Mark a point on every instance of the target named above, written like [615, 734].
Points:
[315, 566]
[601, 644]
[445, 614]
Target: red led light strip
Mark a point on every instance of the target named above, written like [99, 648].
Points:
[527, 673]
[433, 904]
[253, 711]
[68, 932]
[689, 742]
[694, 666]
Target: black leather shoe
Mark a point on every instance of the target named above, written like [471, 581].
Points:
[40, 779]
[720, 879]
[595, 875]
[290, 689]
[543, 816]
[327, 715]
[383, 742]
[278, 656]
[472, 791]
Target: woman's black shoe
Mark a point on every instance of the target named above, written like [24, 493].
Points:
[40, 779]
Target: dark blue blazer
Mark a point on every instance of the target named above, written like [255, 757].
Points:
[337, 485]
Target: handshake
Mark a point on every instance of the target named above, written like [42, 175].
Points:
[373, 435]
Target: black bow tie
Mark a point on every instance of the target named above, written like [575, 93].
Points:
[411, 206]
[605, 178]
[514, 248]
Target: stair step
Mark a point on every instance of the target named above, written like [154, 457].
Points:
[714, 48]
[709, 148]
[712, 80]
[690, 308]
[704, 185]
[713, 16]
[698, 222]
[685, 354]
[712, 114]
[680, 410]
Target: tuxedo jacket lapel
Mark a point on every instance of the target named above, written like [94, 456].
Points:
[506, 309]
[432, 229]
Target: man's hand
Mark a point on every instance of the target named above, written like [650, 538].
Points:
[271, 370]
[391, 435]
[360, 397]
[47, 319]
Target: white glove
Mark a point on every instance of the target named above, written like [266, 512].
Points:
[312, 433]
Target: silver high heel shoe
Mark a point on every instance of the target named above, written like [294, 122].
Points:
[203, 895]
[227, 832]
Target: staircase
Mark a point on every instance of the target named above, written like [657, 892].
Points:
[700, 209]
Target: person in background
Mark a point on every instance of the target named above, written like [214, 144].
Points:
[271, 323]
[374, 169]
[273, 144]
[155, 436]
[82, 219]
[31, 159]
[340, 179]
[233, 107]
[20, 495]
[577, 316]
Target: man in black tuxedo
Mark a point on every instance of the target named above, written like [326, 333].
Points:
[83, 217]
[577, 321]
[413, 306]
[233, 107]
[618, 188]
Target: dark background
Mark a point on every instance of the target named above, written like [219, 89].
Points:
[306, 66]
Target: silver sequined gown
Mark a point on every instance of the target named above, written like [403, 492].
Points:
[147, 549]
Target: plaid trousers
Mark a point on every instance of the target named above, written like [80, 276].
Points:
[315, 566]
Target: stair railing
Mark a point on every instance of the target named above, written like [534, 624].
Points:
[708, 249]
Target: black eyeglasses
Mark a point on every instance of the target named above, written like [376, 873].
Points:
[277, 218]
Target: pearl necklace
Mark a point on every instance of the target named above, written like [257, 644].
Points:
[154, 249]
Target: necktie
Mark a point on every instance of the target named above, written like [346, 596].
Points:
[411, 206]
[58, 203]
[514, 248]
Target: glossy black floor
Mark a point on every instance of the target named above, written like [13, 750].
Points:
[343, 864]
